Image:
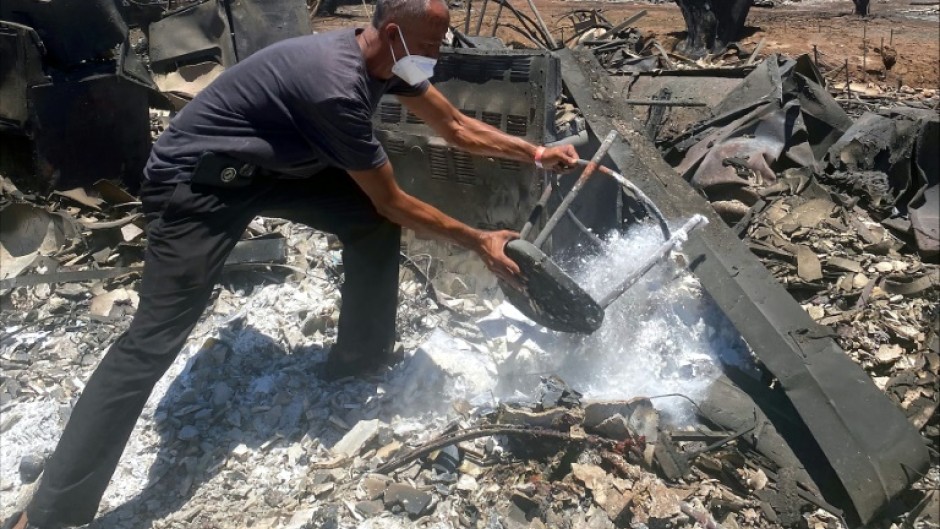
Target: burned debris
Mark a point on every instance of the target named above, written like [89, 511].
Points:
[816, 278]
[79, 79]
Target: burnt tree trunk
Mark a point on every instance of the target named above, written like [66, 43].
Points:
[861, 7]
[712, 24]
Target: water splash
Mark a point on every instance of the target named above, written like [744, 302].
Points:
[662, 336]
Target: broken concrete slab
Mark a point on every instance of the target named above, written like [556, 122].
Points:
[598, 411]
[355, 439]
[411, 500]
[537, 419]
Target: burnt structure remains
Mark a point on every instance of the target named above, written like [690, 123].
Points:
[75, 92]
[78, 107]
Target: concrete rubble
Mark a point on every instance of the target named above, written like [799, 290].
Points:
[492, 421]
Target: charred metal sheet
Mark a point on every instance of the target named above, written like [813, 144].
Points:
[862, 452]
[73, 31]
[681, 87]
[20, 67]
[259, 23]
[762, 128]
[783, 79]
[88, 130]
[513, 90]
[195, 33]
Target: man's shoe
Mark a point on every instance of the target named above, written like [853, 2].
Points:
[340, 365]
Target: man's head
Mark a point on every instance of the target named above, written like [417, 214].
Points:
[421, 23]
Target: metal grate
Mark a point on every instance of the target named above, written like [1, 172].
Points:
[411, 118]
[492, 118]
[389, 112]
[465, 172]
[509, 165]
[440, 169]
[516, 125]
[468, 112]
[395, 146]
[519, 69]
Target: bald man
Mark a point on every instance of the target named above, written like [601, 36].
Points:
[285, 133]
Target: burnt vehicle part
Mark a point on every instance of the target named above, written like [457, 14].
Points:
[859, 449]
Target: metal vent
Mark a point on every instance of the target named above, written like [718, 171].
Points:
[493, 118]
[516, 125]
[395, 146]
[509, 165]
[468, 112]
[463, 164]
[440, 169]
[411, 118]
[496, 68]
[519, 70]
[389, 112]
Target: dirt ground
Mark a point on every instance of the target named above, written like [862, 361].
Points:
[789, 29]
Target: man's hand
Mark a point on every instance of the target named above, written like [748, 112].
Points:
[491, 251]
[478, 138]
[559, 158]
[405, 210]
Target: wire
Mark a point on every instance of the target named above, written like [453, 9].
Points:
[686, 397]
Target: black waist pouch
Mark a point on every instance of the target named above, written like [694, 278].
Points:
[221, 170]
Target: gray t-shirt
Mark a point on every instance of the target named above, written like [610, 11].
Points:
[295, 107]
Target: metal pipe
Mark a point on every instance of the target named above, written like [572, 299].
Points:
[466, 18]
[663, 103]
[678, 237]
[624, 25]
[499, 11]
[537, 210]
[569, 198]
[651, 208]
[580, 139]
[538, 17]
[480, 20]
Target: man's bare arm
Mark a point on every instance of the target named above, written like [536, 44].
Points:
[405, 210]
[479, 138]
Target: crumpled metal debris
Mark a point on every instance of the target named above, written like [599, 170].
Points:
[778, 118]
[887, 158]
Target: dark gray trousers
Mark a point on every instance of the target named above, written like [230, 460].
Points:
[191, 230]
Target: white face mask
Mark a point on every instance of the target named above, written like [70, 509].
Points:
[412, 69]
